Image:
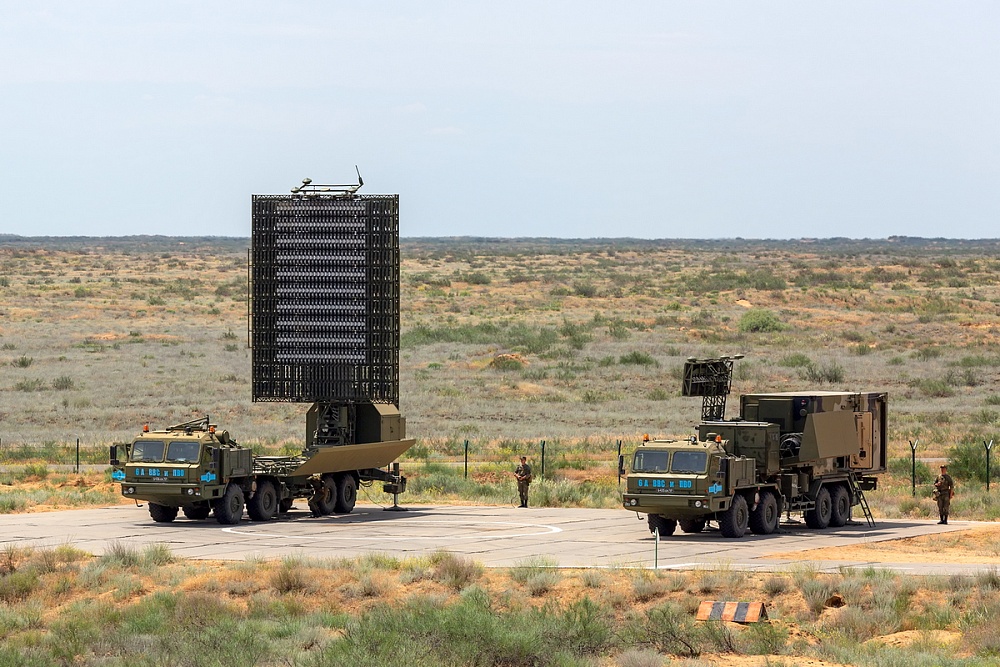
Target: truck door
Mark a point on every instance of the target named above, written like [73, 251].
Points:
[864, 459]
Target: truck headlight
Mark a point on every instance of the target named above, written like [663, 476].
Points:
[130, 489]
[190, 492]
[697, 503]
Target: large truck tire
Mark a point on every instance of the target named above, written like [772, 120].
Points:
[734, 521]
[692, 525]
[819, 517]
[840, 506]
[347, 494]
[162, 513]
[666, 526]
[263, 504]
[229, 508]
[197, 512]
[764, 518]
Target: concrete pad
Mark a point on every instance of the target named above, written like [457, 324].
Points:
[495, 536]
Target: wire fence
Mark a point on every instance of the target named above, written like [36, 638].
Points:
[465, 456]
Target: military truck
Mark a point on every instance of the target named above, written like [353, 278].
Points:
[323, 325]
[197, 469]
[813, 452]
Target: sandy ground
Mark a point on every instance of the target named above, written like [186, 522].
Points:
[978, 544]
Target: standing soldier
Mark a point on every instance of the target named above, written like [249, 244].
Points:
[944, 491]
[523, 475]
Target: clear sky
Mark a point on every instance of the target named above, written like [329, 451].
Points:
[567, 119]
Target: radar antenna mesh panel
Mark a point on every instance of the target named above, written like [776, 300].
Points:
[324, 290]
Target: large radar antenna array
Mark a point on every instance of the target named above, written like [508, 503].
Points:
[712, 379]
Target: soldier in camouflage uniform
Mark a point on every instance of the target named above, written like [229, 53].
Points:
[523, 475]
[944, 491]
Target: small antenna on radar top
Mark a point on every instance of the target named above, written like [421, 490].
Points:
[309, 188]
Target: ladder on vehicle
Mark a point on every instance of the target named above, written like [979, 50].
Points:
[862, 501]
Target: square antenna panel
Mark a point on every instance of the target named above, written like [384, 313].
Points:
[707, 377]
[324, 298]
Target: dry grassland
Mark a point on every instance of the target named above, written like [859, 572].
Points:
[510, 342]
[144, 607]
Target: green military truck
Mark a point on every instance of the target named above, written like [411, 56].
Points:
[199, 470]
[814, 452]
[323, 325]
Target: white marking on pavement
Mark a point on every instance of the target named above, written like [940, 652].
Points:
[542, 530]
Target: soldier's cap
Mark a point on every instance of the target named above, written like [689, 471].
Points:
[944, 467]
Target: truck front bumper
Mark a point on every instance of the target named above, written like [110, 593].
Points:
[173, 495]
[673, 505]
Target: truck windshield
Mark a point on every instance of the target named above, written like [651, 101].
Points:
[183, 452]
[647, 461]
[147, 451]
[689, 462]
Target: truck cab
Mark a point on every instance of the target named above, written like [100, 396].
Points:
[186, 466]
[683, 478]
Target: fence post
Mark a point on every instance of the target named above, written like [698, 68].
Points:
[989, 448]
[543, 459]
[466, 459]
[616, 463]
[656, 548]
[78, 456]
[913, 467]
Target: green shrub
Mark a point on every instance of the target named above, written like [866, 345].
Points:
[22, 362]
[831, 372]
[933, 388]
[757, 320]
[477, 278]
[63, 382]
[30, 385]
[638, 358]
[967, 461]
[796, 360]
[927, 353]
[658, 394]
[457, 572]
[903, 467]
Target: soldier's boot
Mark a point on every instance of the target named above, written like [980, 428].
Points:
[944, 519]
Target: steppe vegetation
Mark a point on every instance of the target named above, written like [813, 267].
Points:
[507, 343]
[145, 607]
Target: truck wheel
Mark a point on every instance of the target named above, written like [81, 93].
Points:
[229, 508]
[764, 519]
[347, 494]
[666, 526]
[197, 512]
[820, 516]
[692, 525]
[840, 506]
[733, 522]
[162, 513]
[263, 503]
